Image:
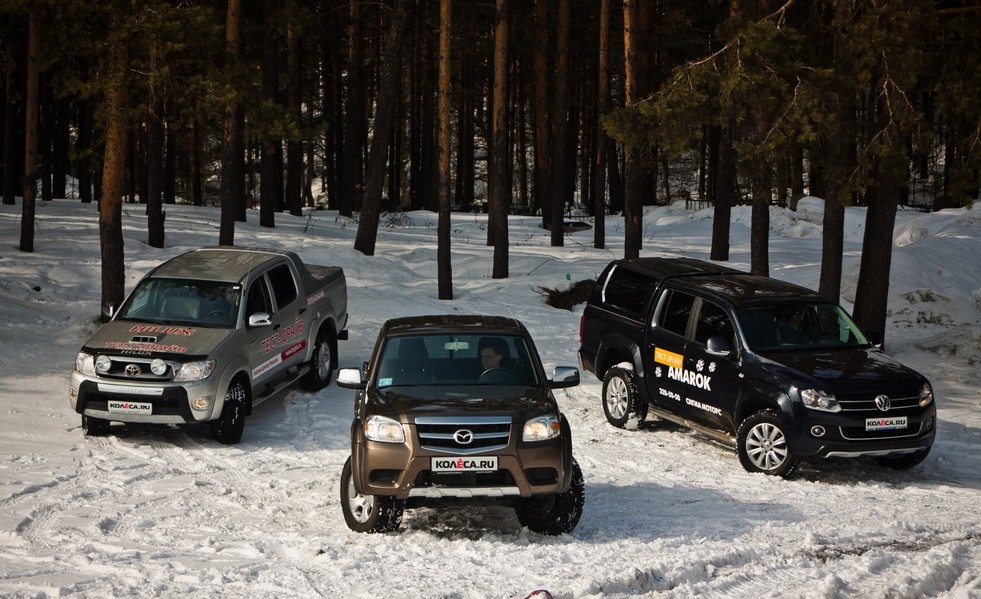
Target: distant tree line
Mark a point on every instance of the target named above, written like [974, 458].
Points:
[534, 106]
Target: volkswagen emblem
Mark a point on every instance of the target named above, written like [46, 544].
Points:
[463, 436]
[882, 402]
[134, 370]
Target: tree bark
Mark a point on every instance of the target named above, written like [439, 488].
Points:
[560, 126]
[364, 242]
[444, 265]
[32, 104]
[543, 164]
[352, 171]
[154, 160]
[233, 152]
[294, 146]
[270, 191]
[113, 174]
[499, 192]
[602, 107]
[722, 192]
[633, 167]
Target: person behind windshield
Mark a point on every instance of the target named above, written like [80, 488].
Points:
[492, 353]
[792, 327]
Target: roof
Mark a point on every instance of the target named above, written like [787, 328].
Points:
[661, 268]
[219, 263]
[442, 323]
[743, 289]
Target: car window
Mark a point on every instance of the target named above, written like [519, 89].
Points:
[283, 284]
[713, 322]
[450, 359]
[258, 298]
[799, 326]
[674, 310]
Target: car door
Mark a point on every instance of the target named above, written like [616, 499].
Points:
[288, 318]
[666, 349]
[713, 380]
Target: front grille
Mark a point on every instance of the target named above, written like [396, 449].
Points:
[865, 402]
[858, 433]
[464, 435]
[427, 479]
[130, 368]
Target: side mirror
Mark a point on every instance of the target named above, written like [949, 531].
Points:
[563, 377]
[718, 346]
[350, 378]
[875, 338]
[260, 319]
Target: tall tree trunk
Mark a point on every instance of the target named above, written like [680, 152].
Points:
[352, 171]
[294, 146]
[154, 160]
[197, 195]
[113, 174]
[602, 107]
[722, 192]
[634, 179]
[84, 151]
[543, 164]
[499, 189]
[11, 170]
[364, 242]
[270, 192]
[560, 126]
[444, 265]
[170, 166]
[32, 104]
[233, 151]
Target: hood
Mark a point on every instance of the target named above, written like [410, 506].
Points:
[146, 339]
[408, 403]
[852, 370]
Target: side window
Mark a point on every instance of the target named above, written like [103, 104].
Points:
[284, 287]
[258, 298]
[628, 291]
[674, 312]
[713, 322]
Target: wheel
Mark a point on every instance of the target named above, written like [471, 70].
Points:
[231, 423]
[94, 427]
[368, 513]
[763, 445]
[321, 363]
[558, 513]
[497, 376]
[622, 403]
[904, 461]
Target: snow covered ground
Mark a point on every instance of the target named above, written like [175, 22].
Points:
[166, 511]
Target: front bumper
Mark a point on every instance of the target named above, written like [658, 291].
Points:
[168, 403]
[405, 471]
[825, 435]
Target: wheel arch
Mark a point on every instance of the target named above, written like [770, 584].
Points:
[615, 349]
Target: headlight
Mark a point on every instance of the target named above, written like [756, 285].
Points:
[926, 395]
[820, 400]
[541, 428]
[386, 430]
[194, 371]
[85, 363]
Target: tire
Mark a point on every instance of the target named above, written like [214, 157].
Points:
[321, 362]
[763, 445]
[904, 461]
[94, 427]
[558, 513]
[622, 403]
[231, 423]
[368, 513]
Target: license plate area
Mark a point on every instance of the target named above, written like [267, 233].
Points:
[117, 406]
[886, 424]
[450, 464]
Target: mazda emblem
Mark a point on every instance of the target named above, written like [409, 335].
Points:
[132, 370]
[463, 436]
[882, 402]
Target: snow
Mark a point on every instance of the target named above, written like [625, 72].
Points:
[166, 511]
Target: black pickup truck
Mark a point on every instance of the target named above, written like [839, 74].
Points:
[771, 368]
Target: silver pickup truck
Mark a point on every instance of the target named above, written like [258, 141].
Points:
[209, 334]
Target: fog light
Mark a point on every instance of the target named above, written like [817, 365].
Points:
[818, 431]
[158, 367]
[200, 403]
[103, 363]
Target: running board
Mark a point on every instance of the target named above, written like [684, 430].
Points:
[715, 434]
[279, 385]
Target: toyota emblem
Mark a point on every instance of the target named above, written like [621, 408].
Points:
[132, 370]
[463, 436]
[882, 402]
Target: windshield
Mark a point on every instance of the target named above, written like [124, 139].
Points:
[452, 359]
[799, 327]
[183, 301]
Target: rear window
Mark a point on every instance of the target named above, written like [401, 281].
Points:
[628, 291]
